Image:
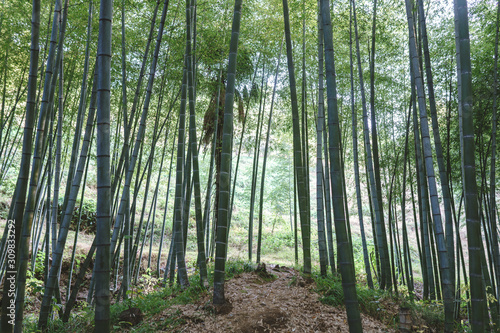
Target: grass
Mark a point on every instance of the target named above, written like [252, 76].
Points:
[158, 304]
[385, 305]
[373, 302]
[153, 305]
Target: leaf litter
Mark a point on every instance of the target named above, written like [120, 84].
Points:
[262, 301]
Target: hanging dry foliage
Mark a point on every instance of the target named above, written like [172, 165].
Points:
[209, 118]
[241, 110]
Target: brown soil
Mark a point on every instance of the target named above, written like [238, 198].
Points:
[281, 302]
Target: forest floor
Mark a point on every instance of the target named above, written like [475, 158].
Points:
[278, 300]
[263, 299]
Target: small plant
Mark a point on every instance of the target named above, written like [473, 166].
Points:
[88, 217]
[39, 264]
[234, 268]
[34, 278]
[172, 321]
[56, 307]
[247, 267]
[79, 258]
[33, 285]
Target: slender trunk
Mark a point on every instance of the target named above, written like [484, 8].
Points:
[356, 165]
[261, 201]
[493, 226]
[132, 117]
[324, 258]
[178, 205]
[77, 231]
[141, 131]
[375, 153]
[328, 199]
[201, 260]
[24, 219]
[406, 246]
[385, 269]
[298, 152]
[255, 169]
[464, 74]
[225, 170]
[343, 244]
[102, 267]
[443, 260]
[18, 200]
[439, 150]
[166, 204]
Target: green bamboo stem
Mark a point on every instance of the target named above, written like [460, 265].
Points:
[298, 152]
[256, 155]
[381, 238]
[102, 267]
[141, 132]
[437, 143]
[178, 204]
[492, 203]
[51, 284]
[23, 214]
[326, 176]
[201, 259]
[225, 170]
[343, 244]
[443, 259]
[356, 163]
[264, 162]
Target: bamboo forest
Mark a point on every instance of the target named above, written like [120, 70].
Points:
[249, 166]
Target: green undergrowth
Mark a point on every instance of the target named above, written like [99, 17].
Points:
[383, 305]
[150, 297]
[158, 304]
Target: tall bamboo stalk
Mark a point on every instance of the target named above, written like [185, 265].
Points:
[201, 259]
[343, 243]
[22, 181]
[443, 260]
[356, 164]
[494, 239]
[256, 155]
[298, 152]
[264, 162]
[25, 217]
[141, 132]
[437, 143]
[322, 244]
[381, 237]
[225, 170]
[474, 240]
[326, 176]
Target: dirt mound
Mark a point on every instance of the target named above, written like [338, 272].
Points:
[287, 303]
[131, 317]
[269, 320]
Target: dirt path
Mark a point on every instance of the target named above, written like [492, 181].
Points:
[260, 304]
